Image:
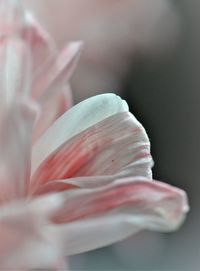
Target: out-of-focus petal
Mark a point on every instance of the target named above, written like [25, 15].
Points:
[62, 265]
[42, 45]
[74, 121]
[16, 124]
[89, 234]
[11, 17]
[52, 109]
[99, 217]
[68, 101]
[58, 73]
[15, 69]
[106, 148]
[24, 240]
[17, 22]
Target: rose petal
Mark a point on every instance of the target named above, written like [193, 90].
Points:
[106, 148]
[74, 121]
[100, 217]
[58, 73]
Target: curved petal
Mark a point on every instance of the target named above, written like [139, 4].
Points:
[58, 73]
[100, 217]
[106, 148]
[85, 235]
[52, 110]
[74, 121]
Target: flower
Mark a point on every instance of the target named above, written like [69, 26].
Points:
[50, 68]
[86, 180]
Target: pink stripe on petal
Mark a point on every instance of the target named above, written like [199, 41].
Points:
[162, 205]
[106, 148]
[76, 120]
[95, 218]
[90, 182]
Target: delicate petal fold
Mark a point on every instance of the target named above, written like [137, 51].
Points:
[106, 148]
[75, 121]
[100, 217]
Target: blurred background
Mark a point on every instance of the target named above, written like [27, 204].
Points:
[148, 51]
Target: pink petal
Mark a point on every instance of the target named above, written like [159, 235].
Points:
[51, 110]
[89, 234]
[15, 69]
[42, 45]
[158, 201]
[106, 148]
[24, 240]
[102, 216]
[74, 121]
[58, 73]
[16, 123]
[11, 17]
[16, 21]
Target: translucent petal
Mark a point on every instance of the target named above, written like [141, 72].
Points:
[94, 218]
[107, 148]
[74, 121]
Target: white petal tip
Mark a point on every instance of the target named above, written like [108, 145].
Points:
[75, 49]
[77, 44]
